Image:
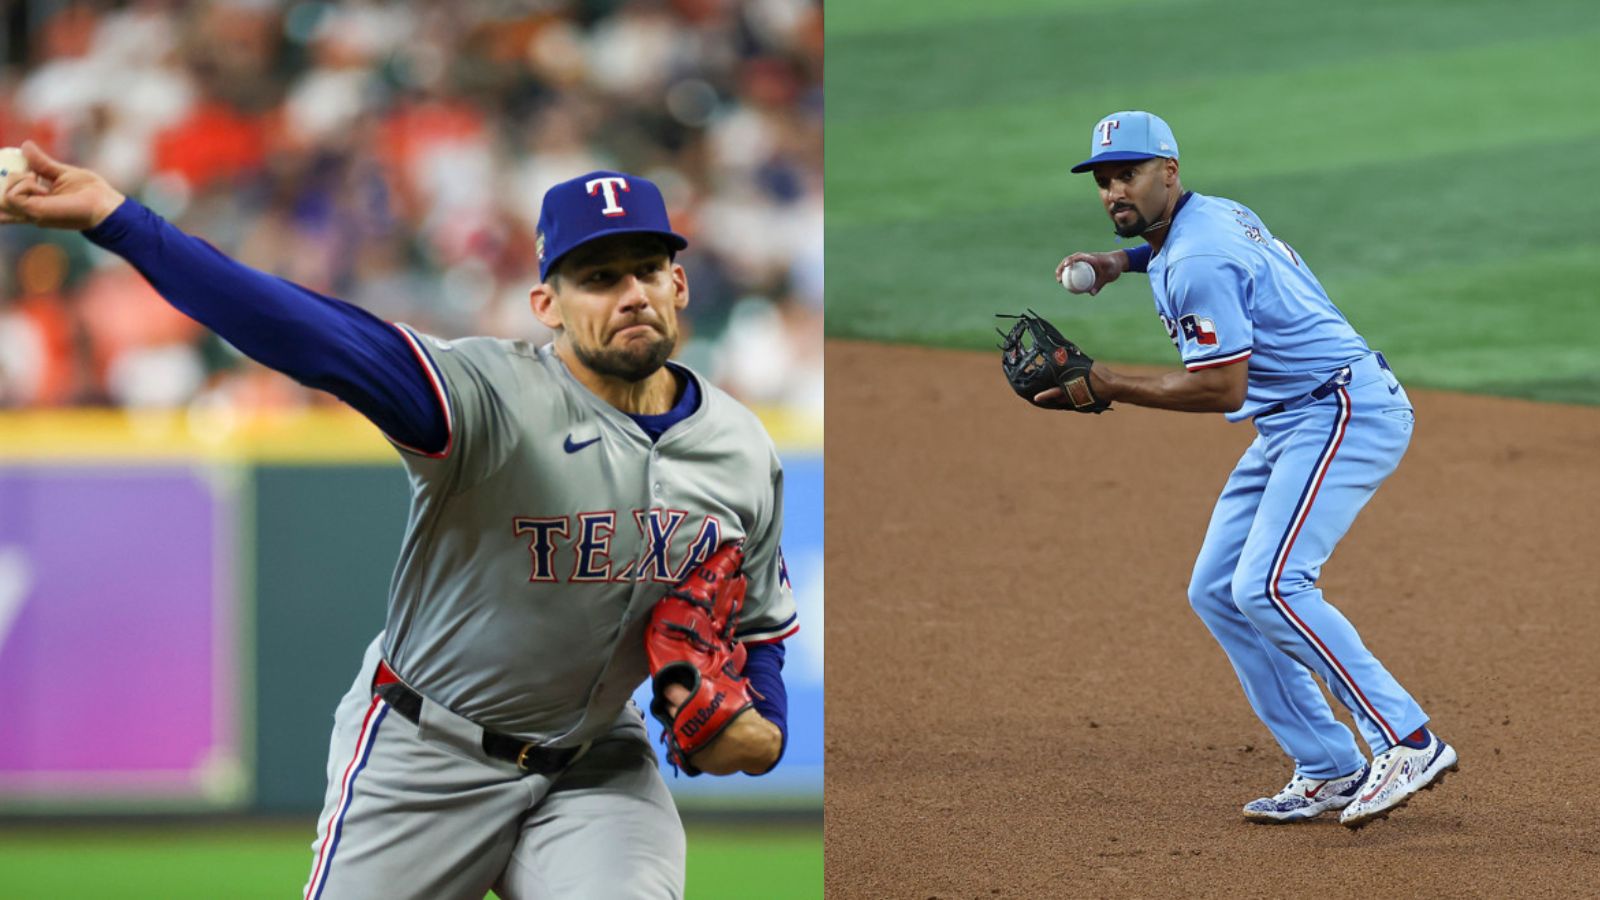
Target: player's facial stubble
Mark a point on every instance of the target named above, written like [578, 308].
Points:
[634, 356]
[1129, 226]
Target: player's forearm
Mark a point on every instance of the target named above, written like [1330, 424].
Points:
[277, 323]
[763, 746]
[750, 744]
[1205, 391]
[764, 667]
[319, 341]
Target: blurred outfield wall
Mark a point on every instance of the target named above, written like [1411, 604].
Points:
[183, 601]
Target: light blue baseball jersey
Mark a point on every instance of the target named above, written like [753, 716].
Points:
[1227, 290]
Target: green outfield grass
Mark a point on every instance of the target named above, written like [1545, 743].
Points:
[242, 862]
[1430, 160]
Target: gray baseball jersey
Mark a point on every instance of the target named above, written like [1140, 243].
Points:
[542, 535]
[539, 540]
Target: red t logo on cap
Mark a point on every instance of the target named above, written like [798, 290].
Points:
[1105, 131]
[608, 186]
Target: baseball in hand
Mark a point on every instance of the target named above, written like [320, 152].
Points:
[1078, 278]
[12, 162]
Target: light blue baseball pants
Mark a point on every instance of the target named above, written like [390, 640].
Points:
[1290, 499]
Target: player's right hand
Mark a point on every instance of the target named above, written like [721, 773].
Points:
[1107, 267]
[53, 194]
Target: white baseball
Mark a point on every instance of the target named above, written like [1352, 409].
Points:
[1078, 278]
[12, 160]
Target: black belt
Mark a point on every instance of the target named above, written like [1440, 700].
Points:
[529, 757]
[1339, 380]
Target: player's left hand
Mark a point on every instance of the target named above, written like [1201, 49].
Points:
[749, 744]
[694, 658]
[1046, 369]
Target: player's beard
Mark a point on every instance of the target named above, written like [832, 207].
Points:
[634, 361]
[1138, 226]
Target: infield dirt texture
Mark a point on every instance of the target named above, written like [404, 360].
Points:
[1021, 702]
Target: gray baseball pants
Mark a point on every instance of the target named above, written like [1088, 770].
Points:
[418, 810]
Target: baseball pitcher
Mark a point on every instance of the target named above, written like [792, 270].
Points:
[584, 515]
[1259, 340]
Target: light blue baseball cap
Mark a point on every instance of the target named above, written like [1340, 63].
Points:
[1129, 135]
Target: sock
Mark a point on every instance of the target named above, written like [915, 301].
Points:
[1417, 739]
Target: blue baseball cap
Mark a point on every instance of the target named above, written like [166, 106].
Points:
[1130, 135]
[598, 205]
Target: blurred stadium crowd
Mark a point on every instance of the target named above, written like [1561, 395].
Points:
[394, 154]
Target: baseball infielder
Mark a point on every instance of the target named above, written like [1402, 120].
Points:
[1260, 340]
[558, 492]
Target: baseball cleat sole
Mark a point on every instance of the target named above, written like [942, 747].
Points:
[1357, 823]
[1294, 818]
[1268, 820]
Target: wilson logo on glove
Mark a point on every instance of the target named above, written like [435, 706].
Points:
[699, 719]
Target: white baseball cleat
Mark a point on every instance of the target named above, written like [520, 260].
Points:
[1397, 774]
[1305, 798]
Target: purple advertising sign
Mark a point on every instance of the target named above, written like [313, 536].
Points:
[116, 634]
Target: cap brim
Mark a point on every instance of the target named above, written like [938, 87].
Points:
[674, 240]
[1112, 156]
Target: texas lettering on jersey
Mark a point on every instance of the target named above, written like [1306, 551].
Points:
[579, 546]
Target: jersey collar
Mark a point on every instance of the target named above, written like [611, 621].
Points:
[688, 409]
[688, 402]
[1173, 222]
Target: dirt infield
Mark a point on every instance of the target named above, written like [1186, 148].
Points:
[1022, 704]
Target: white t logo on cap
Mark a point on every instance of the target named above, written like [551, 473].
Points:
[1105, 131]
[608, 186]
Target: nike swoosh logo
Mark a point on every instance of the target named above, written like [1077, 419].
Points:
[1395, 389]
[570, 447]
[1312, 794]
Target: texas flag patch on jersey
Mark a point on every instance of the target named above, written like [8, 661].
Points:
[1200, 330]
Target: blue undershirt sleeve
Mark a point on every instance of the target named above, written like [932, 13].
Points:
[1138, 258]
[319, 341]
[763, 665]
